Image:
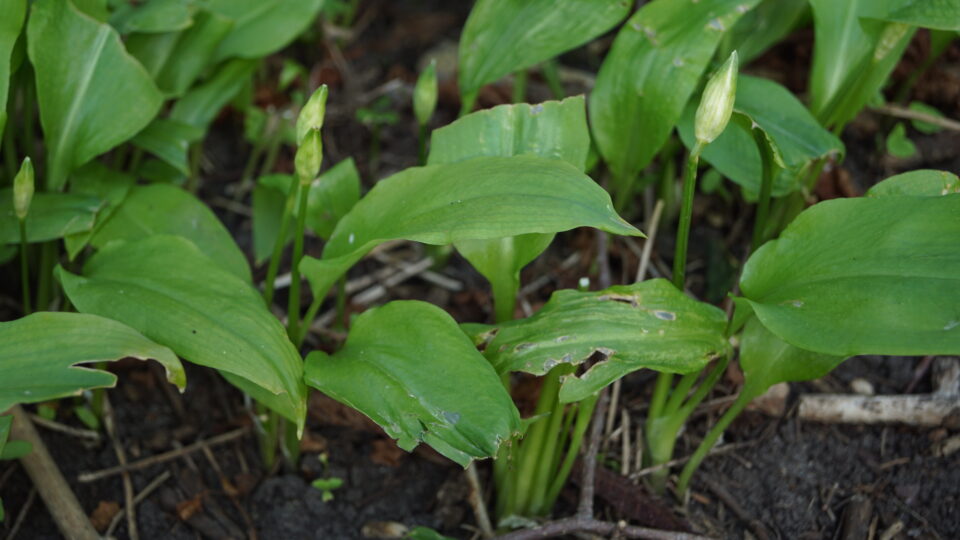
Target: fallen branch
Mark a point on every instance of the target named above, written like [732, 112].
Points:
[910, 114]
[588, 479]
[914, 410]
[52, 487]
[573, 525]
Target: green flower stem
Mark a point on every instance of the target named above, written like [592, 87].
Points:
[24, 268]
[468, 100]
[504, 299]
[545, 470]
[48, 256]
[519, 86]
[279, 242]
[535, 442]
[768, 167]
[623, 186]
[293, 303]
[422, 144]
[679, 393]
[584, 414]
[660, 392]
[686, 214]
[711, 439]
[551, 72]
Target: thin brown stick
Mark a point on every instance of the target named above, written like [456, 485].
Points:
[164, 457]
[231, 492]
[52, 487]
[476, 501]
[88, 434]
[144, 493]
[910, 114]
[603, 260]
[22, 515]
[573, 525]
[585, 506]
[652, 227]
[109, 423]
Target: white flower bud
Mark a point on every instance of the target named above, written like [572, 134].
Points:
[23, 189]
[425, 94]
[309, 156]
[311, 116]
[716, 105]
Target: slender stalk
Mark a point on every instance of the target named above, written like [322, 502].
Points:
[278, 245]
[710, 440]
[768, 168]
[584, 412]
[48, 257]
[660, 392]
[624, 189]
[686, 214]
[531, 450]
[24, 268]
[422, 144]
[467, 102]
[273, 150]
[293, 303]
[504, 299]
[519, 86]
[678, 394]
[544, 470]
[551, 72]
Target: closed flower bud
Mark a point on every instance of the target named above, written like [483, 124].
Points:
[716, 105]
[425, 94]
[311, 116]
[23, 189]
[309, 156]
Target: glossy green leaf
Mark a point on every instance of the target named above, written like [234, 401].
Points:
[52, 216]
[10, 25]
[92, 94]
[480, 198]
[924, 182]
[153, 16]
[863, 276]
[502, 36]
[853, 56]
[39, 353]
[762, 27]
[767, 360]
[649, 75]
[169, 140]
[97, 180]
[937, 14]
[898, 144]
[175, 295]
[176, 59]
[645, 325]
[262, 26]
[332, 196]
[409, 367]
[797, 134]
[269, 198]
[164, 209]
[200, 105]
[556, 129]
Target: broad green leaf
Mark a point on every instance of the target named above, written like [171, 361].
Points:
[556, 129]
[767, 360]
[480, 198]
[503, 36]
[268, 202]
[332, 196]
[853, 56]
[10, 25]
[798, 136]
[154, 16]
[52, 216]
[937, 14]
[262, 26]
[169, 140]
[863, 276]
[409, 367]
[92, 94]
[924, 182]
[649, 75]
[165, 209]
[762, 27]
[175, 295]
[97, 180]
[176, 59]
[200, 105]
[39, 353]
[645, 325]
[94, 8]
[898, 144]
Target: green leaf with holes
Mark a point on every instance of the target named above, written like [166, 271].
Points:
[875, 275]
[40, 353]
[164, 287]
[92, 94]
[645, 325]
[503, 36]
[649, 75]
[479, 198]
[409, 367]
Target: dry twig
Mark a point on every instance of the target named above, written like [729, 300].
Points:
[561, 527]
[910, 114]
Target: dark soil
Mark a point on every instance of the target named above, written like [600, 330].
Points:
[794, 479]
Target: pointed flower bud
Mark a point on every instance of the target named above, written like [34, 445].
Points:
[311, 116]
[23, 189]
[716, 105]
[425, 94]
[309, 157]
